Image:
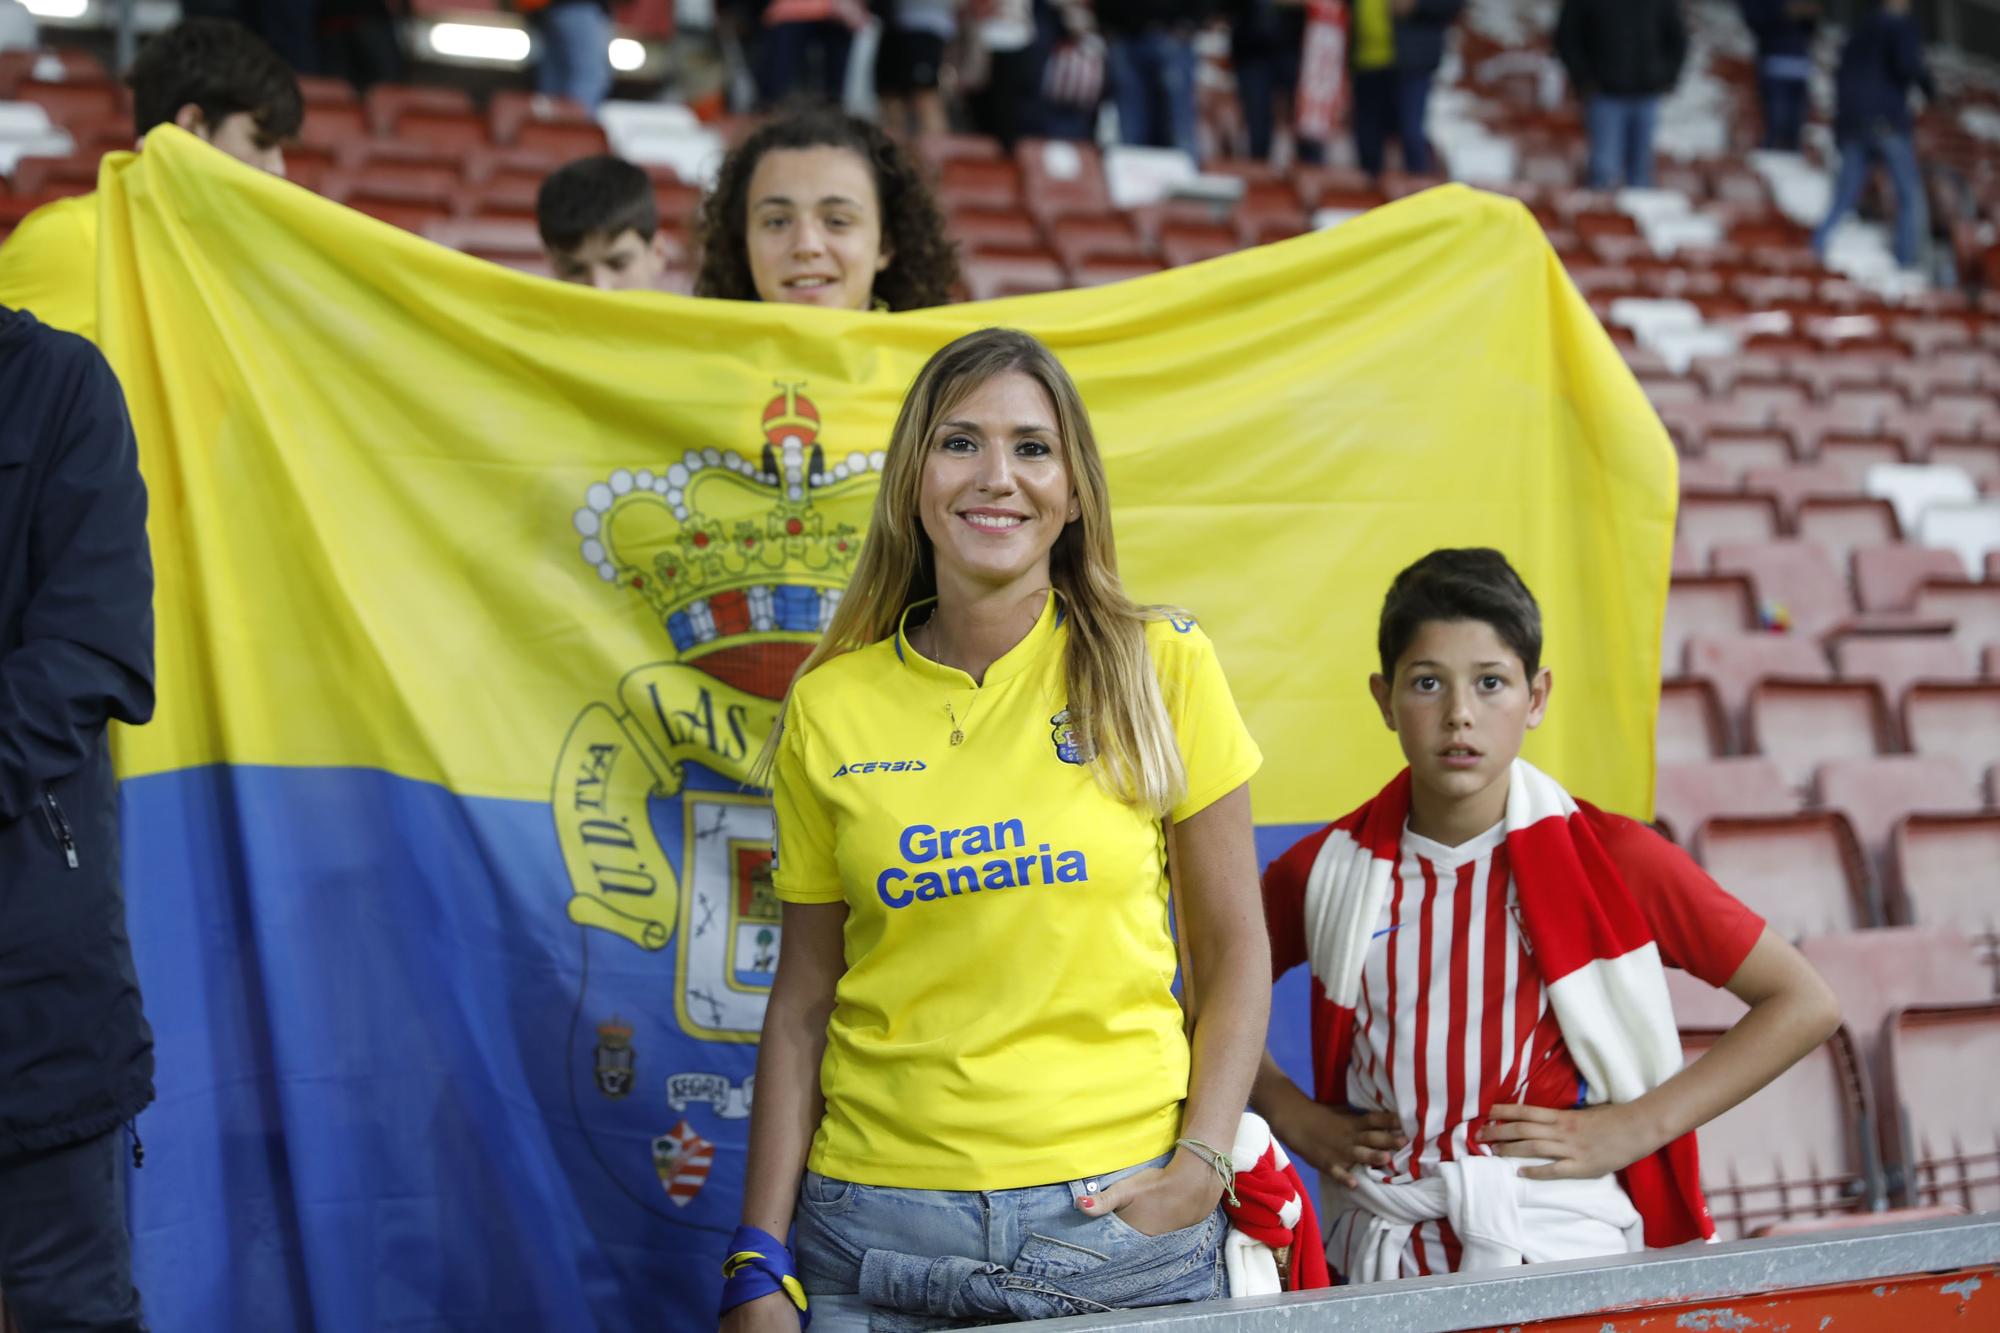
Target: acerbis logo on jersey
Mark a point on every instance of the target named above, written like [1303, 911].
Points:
[882, 766]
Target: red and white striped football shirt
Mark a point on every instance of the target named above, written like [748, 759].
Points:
[1452, 1017]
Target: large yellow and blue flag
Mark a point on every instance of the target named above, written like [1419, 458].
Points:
[476, 593]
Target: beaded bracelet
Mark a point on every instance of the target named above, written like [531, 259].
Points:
[1218, 1162]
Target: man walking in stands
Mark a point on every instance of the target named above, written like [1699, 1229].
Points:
[1497, 1074]
[76, 651]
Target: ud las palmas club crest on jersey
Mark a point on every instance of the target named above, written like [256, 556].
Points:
[741, 557]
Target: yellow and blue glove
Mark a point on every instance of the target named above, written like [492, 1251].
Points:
[759, 1264]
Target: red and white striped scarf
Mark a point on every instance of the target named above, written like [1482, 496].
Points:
[1600, 966]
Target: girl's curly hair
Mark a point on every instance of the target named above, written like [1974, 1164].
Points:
[923, 263]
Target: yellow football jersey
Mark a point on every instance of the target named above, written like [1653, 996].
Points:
[49, 265]
[1007, 1015]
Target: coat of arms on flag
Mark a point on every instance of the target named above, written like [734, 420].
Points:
[682, 1157]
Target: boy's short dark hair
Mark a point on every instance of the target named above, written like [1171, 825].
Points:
[221, 68]
[1468, 583]
[601, 195]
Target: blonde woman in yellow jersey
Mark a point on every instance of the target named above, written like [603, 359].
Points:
[975, 1098]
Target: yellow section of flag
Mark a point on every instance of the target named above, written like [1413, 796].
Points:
[413, 511]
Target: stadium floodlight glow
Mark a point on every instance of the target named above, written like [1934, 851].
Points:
[627, 55]
[480, 41]
[57, 9]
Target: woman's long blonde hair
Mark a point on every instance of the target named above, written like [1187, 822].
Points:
[1115, 707]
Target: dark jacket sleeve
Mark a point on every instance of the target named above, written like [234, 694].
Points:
[1673, 41]
[85, 649]
[1571, 48]
[1911, 71]
[1442, 13]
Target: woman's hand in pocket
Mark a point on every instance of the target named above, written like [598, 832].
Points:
[1160, 1199]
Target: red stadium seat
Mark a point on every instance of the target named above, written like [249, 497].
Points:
[1741, 449]
[1097, 272]
[971, 183]
[1183, 244]
[316, 90]
[1716, 605]
[1344, 188]
[997, 273]
[1875, 794]
[332, 125]
[1841, 526]
[1818, 1167]
[1688, 794]
[1943, 1128]
[1957, 719]
[510, 109]
[1737, 663]
[984, 229]
[1694, 422]
[1706, 475]
[1803, 724]
[1082, 237]
[1851, 454]
[1269, 211]
[1886, 578]
[1803, 873]
[505, 197]
[1978, 459]
[1797, 578]
[563, 139]
[1691, 725]
[308, 166]
[1972, 607]
[397, 181]
[74, 106]
[1897, 661]
[936, 149]
[1944, 871]
[453, 131]
[387, 103]
[1798, 482]
[1876, 972]
[56, 176]
[1709, 519]
[1060, 177]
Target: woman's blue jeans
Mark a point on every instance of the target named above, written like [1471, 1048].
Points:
[900, 1260]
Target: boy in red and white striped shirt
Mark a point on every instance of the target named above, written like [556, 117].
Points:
[1485, 949]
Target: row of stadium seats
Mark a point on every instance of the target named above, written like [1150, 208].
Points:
[1883, 1114]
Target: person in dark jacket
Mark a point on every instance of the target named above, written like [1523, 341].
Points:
[1622, 57]
[1149, 62]
[1784, 33]
[1881, 62]
[1394, 49]
[76, 651]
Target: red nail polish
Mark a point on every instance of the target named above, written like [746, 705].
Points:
[1090, 1203]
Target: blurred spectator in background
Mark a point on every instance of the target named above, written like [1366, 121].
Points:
[575, 41]
[1265, 40]
[823, 208]
[1071, 69]
[907, 64]
[1395, 47]
[804, 49]
[1006, 100]
[1622, 57]
[1149, 53]
[1784, 33]
[600, 225]
[357, 41]
[1881, 62]
[211, 77]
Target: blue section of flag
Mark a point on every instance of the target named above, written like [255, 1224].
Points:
[797, 607]
[376, 1032]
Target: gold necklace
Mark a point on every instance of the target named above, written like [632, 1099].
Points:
[957, 729]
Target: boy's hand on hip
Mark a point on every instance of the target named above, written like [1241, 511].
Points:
[1340, 1142]
[1580, 1145]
